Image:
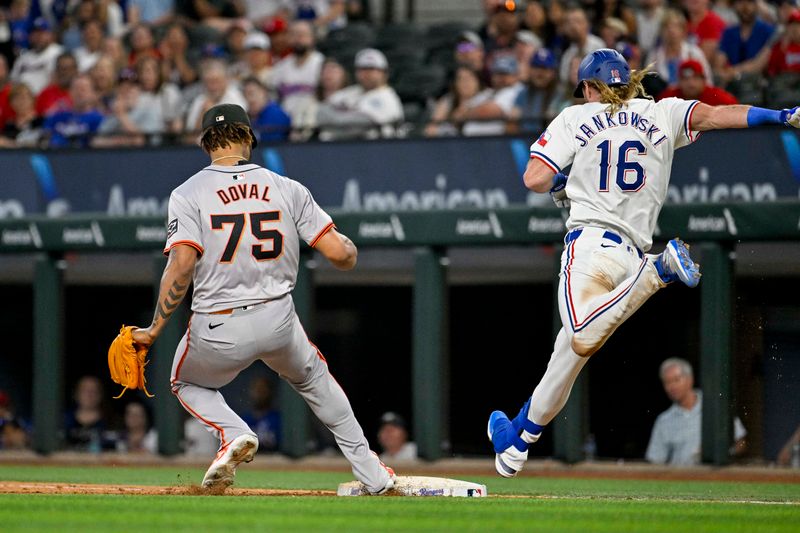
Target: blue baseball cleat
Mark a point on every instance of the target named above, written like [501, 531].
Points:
[511, 451]
[674, 264]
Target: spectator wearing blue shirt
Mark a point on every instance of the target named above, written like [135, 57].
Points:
[76, 125]
[542, 97]
[270, 122]
[743, 43]
[264, 420]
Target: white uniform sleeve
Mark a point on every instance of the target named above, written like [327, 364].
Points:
[555, 147]
[183, 226]
[679, 114]
[311, 220]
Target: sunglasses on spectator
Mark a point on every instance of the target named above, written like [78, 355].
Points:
[466, 47]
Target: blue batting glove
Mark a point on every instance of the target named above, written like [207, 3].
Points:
[791, 117]
[558, 191]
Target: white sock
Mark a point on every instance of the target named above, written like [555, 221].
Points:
[530, 438]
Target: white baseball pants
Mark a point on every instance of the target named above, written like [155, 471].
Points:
[604, 279]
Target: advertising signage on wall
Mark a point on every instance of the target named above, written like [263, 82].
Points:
[380, 176]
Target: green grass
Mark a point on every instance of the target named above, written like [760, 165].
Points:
[585, 505]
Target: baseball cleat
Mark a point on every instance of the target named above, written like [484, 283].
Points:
[511, 451]
[220, 474]
[389, 484]
[674, 264]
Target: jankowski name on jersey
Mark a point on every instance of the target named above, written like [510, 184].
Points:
[621, 119]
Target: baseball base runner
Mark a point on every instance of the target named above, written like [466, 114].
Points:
[620, 147]
[234, 231]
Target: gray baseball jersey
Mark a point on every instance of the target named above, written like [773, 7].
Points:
[246, 222]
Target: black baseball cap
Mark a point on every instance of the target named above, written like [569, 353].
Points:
[393, 419]
[222, 114]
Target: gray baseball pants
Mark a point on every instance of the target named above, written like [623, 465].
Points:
[216, 348]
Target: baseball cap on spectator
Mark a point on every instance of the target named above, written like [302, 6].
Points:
[371, 58]
[616, 24]
[275, 25]
[690, 67]
[470, 37]
[40, 24]
[5, 400]
[544, 58]
[528, 37]
[256, 40]
[505, 64]
[794, 17]
[393, 419]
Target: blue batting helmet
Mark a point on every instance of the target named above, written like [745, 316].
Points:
[604, 65]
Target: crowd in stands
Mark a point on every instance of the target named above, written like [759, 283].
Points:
[136, 72]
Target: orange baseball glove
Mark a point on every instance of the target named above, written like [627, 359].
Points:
[126, 361]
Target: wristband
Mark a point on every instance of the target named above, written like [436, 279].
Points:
[756, 116]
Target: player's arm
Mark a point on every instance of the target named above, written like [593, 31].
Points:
[174, 284]
[707, 118]
[338, 249]
[538, 176]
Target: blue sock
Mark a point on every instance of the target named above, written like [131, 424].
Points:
[522, 423]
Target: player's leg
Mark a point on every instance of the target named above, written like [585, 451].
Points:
[602, 285]
[206, 360]
[304, 368]
[511, 438]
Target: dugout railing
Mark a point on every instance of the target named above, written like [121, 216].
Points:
[713, 228]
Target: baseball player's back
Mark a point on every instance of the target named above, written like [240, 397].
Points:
[234, 230]
[621, 161]
[247, 223]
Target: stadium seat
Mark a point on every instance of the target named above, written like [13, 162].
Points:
[418, 85]
[351, 36]
[783, 91]
[404, 59]
[200, 36]
[444, 56]
[749, 89]
[402, 35]
[346, 55]
[446, 34]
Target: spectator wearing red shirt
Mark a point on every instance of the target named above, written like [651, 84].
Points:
[55, 96]
[692, 86]
[142, 44]
[785, 56]
[5, 87]
[705, 27]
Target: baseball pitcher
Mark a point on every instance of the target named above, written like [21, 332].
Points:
[620, 146]
[234, 231]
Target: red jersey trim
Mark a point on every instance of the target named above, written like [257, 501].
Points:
[186, 243]
[321, 234]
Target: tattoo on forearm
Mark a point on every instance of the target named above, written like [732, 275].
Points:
[167, 306]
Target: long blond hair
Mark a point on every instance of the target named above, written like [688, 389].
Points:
[618, 96]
